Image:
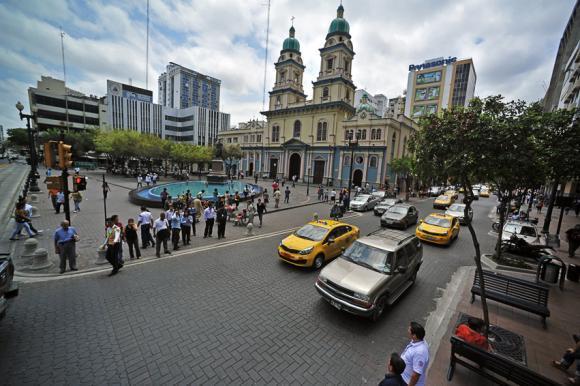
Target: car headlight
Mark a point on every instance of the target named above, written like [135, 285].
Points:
[364, 298]
[306, 251]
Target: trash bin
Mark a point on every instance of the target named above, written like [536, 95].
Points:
[573, 273]
[550, 272]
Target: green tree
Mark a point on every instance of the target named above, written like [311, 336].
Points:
[81, 141]
[17, 137]
[405, 167]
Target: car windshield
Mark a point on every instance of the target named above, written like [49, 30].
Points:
[370, 257]
[457, 208]
[388, 201]
[437, 221]
[442, 198]
[397, 210]
[361, 198]
[380, 193]
[520, 230]
[311, 232]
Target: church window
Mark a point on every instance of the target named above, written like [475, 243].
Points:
[297, 127]
[393, 143]
[321, 131]
[329, 63]
[376, 134]
[347, 160]
[361, 134]
[259, 138]
[347, 95]
[346, 63]
[290, 55]
[275, 133]
[325, 92]
[340, 38]
[282, 76]
[278, 101]
[373, 162]
[348, 134]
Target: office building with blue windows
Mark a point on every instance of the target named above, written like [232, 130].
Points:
[181, 87]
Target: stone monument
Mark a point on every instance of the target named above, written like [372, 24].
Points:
[217, 174]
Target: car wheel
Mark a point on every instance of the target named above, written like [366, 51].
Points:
[318, 261]
[379, 308]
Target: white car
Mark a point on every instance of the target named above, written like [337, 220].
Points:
[523, 230]
[364, 202]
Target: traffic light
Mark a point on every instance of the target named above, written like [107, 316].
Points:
[50, 153]
[64, 155]
[80, 183]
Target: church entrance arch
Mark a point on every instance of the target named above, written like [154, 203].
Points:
[357, 177]
[294, 167]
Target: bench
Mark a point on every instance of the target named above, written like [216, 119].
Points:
[515, 292]
[492, 366]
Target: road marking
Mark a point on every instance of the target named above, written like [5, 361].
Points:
[94, 270]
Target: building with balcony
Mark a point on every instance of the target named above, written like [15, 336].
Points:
[181, 87]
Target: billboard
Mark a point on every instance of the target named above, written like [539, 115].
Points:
[429, 77]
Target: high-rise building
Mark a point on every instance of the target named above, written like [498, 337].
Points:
[181, 87]
[438, 84]
[396, 106]
[57, 106]
[379, 102]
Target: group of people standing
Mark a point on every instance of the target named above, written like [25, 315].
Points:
[147, 178]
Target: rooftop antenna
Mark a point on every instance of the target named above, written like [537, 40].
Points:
[266, 57]
[147, 52]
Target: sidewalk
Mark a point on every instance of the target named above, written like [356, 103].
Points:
[542, 345]
[89, 222]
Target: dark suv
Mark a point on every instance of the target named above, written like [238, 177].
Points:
[400, 216]
[372, 273]
[8, 288]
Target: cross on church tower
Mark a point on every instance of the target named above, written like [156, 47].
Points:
[292, 21]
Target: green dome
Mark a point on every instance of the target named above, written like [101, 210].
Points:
[291, 43]
[339, 24]
[365, 106]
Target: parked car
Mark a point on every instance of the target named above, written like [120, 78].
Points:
[435, 191]
[458, 210]
[443, 202]
[372, 273]
[317, 242]
[400, 216]
[523, 230]
[8, 288]
[438, 228]
[386, 204]
[364, 202]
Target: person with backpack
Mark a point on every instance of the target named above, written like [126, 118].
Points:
[77, 198]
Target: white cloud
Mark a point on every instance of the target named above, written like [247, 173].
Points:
[513, 44]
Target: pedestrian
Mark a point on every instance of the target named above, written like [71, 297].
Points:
[186, 222]
[148, 179]
[106, 189]
[21, 220]
[175, 223]
[139, 181]
[132, 239]
[164, 195]
[237, 199]
[112, 243]
[294, 179]
[145, 221]
[261, 209]
[209, 217]
[119, 224]
[59, 200]
[570, 356]
[539, 206]
[65, 238]
[333, 195]
[345, 203]
[77, 198]
[53, 193]
[326, 192]
[221, 219]
[335, 211]
[266, 197]
[256, 178]
[573, 237]
[28, 209]
[287, 195]
[277, 196]
[161, 232]
[395, 367]
[319, 193]
[48, 172]
[154, 178]
[275, 186]
[251, 212]
[416, 356]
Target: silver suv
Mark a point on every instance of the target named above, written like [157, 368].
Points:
[372, 273]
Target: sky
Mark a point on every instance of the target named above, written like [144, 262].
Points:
[513, 44]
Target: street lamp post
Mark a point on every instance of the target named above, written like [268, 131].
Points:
[308, 182]
[31, 148]
[352, 144]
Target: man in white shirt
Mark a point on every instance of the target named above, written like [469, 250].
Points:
[145, 221]
[148, 179]
[139, 181]
[209, 216]
[416, 356]
[161, 232]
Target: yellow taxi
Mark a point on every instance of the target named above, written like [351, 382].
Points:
[317, 242]
[438, 228]
[443, 201]
[452, 193]
[484, 193]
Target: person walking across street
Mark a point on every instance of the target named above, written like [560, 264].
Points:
[77, 198]
[161, 232]
[175, 222]
[59, 200]
[573, 237]
[221, 219]
[112, 243]
[186, 221]
[65, 238]
[209, 217]
[53, 193]
[277, 196]
[287, 195]
[21, 221]
[416, 356]
[145, 221]
[132, 239]
[261, 209]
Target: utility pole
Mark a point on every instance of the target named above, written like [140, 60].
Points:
[266, 57]
[64, 75]
[64, 181]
